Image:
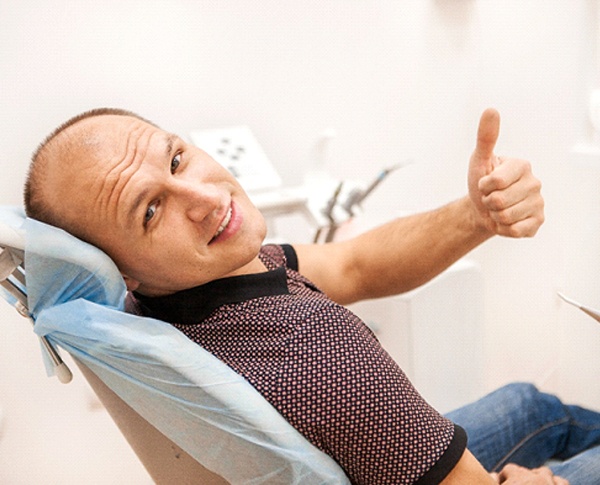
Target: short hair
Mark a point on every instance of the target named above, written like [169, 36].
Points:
[34, 196]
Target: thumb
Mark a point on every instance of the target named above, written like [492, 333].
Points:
[487, 134]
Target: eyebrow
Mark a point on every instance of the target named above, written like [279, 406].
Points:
[169, 140]
[143, 195]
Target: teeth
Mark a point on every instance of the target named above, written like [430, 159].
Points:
[224, 223]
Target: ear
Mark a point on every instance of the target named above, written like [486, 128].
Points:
[131, 284]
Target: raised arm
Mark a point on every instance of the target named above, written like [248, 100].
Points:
[504, 198]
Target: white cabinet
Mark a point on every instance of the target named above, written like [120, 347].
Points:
[435, 334]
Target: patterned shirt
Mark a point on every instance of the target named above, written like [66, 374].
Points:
[321, 367]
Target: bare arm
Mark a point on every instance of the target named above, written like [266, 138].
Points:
[504, 198]
[468, 471]
[395, 257]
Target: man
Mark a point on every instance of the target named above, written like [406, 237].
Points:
[188, 242]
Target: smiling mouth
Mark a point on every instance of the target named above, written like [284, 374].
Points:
[223, 225]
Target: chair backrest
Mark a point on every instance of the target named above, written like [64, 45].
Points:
[164, 459]
[188, 417]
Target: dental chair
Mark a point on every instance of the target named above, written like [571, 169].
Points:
[188, 417]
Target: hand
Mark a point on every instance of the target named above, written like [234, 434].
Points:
[516, 475]
[506, 195]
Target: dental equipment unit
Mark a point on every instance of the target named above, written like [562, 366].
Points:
[341, 206]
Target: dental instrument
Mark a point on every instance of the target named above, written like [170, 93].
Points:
[595, 314]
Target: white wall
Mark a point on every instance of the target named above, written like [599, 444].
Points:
[393, 78]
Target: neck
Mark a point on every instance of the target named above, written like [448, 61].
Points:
[254, 266]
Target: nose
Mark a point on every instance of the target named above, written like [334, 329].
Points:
[199, 200]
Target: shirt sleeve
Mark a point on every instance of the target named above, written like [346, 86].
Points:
[290, 256]
[348, 396]
[448, 460]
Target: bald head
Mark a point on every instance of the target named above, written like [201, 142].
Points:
[69, 148]
[165, 211]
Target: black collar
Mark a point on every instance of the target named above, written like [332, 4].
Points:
[194, 305]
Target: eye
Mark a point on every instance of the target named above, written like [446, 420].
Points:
[150, 211]
[175, 162]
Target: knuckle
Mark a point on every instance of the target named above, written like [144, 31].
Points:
[505, 217]
[496, 180]
[495, 201]
[523, 166]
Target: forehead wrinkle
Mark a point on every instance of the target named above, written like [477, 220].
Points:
[169, 140]
[125, 167]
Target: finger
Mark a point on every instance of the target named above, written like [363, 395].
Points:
[487, 133]
[524, 228]
[507, 471]
[527, 193]
[509, 172]
[518, 212]
[545, 471]
[547, 474]
[509, 216]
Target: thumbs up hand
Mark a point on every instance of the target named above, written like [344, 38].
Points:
[506, 195]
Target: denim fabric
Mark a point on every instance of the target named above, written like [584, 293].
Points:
[519, 424]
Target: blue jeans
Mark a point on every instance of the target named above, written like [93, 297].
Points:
[518, 424]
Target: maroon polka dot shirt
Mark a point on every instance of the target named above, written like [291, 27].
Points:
[321, 367]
